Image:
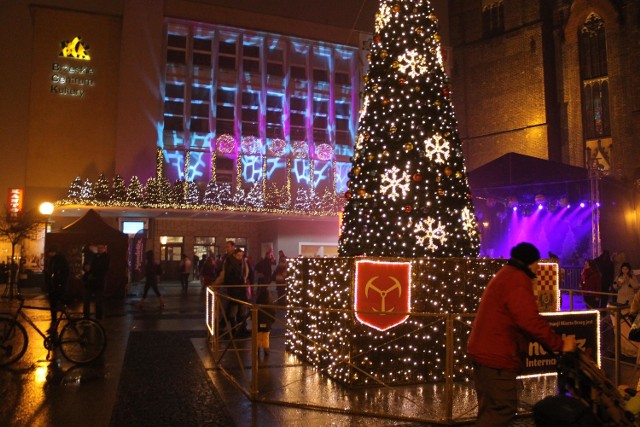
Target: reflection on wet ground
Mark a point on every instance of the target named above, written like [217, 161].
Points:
[40, 392]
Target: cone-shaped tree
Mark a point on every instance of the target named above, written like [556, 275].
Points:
[408, 192]
[118, 190]
[101, 188]
[75, 189]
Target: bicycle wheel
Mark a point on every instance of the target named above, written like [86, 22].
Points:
[13, 341]
[82, 340]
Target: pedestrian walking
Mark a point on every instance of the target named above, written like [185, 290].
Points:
[152, 273]
[185, 270]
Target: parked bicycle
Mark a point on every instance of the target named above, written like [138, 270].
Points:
[80, 340]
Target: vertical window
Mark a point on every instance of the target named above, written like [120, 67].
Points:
[492, 18]
[595, 80]
[274, 116]
[174, 107]
[275, 61]
[225, 110]
[199, 122]
[176, 49]
[201, 52]
[227, 55]
[251, 59]
[298, 108]
[250, 113]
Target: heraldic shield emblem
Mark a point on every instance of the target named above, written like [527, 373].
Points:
[381, 290]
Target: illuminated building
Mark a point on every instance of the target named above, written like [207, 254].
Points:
[199, 121]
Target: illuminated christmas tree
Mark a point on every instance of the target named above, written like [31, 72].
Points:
[408, 192]
[134, 191]
[75, 189]
[193, 193]
[101, 188]
[118, 190]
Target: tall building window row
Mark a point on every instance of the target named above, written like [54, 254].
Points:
[239, 82]
[595, 80]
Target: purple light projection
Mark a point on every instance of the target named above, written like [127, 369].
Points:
[565, 232]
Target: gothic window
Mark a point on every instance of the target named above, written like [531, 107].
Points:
[492, 19]
[595, 79]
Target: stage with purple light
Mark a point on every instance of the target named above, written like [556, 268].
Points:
[563, 229]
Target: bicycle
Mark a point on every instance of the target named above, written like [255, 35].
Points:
[80, 340]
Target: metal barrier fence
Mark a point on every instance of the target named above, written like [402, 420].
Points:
[282, 378]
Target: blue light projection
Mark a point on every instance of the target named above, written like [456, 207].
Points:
[321, 172]
[251, 169]
[274, 164]
[174, 164]
[301, 170]
[202, 140]
[199, 164]
[342, 176]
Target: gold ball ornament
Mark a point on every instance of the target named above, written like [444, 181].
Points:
[459, 175]
[395, 64]
[393, 129]
[396, 8]
[370, 157]
[362, 192]
[386, 153]
[420, 31]
[438, 179]
[356, 170]
[440, 192]
[448, 171]
[437, 38]
[384, 54]
[408, 146]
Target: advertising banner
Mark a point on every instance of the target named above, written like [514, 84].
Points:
[584, 325]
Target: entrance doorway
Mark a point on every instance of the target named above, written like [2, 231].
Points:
[171, 249]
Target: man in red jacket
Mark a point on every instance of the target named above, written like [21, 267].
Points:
[506, 320]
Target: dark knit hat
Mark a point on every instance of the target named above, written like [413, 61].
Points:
[526, 253]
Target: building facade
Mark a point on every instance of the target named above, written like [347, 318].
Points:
[555, 80]
[199, 122]
[551, 79]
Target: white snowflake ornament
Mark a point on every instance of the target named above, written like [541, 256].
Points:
[437, 148]
[392, 183]
[383, 17]
[412, 63]
[426, 233]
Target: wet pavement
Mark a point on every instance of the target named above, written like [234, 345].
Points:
[158, 370]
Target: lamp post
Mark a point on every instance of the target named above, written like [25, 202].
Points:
[46, 209]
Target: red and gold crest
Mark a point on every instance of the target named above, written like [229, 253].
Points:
[381, 290]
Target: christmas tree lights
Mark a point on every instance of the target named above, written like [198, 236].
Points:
[408, 192]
